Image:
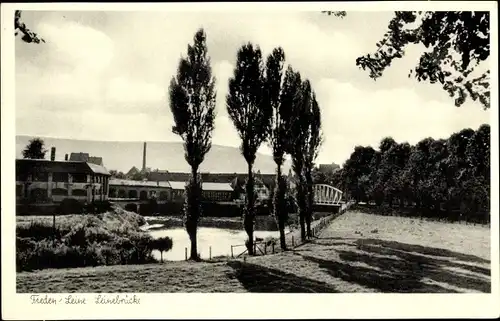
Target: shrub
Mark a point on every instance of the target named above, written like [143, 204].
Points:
[38, 231]
[107, 238]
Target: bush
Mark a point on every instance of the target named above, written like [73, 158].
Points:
[39, 231]
[104, 239]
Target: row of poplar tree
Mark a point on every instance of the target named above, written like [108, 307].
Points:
[267, 105]
[439, 178]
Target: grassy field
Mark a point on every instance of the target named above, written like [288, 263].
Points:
[357, 253]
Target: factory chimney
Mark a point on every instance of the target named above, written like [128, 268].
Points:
[144, 158]
[52, 153]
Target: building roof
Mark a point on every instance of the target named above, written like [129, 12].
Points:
[132, 171]
[168, 176]
[228, 178]
[79, 157]
[206, 186]
[72, 167]
[128, 182]
[95, 160]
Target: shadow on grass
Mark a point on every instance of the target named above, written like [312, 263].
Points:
[256, 278]
[398, 267]
[385, 281]
[424, 250]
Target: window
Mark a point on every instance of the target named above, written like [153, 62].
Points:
[60, 177]
[144, 195]
[41, 176]
[79, 192]
[59, 192]
[79, 178]
[112, 192]
[38, 194]
[163, 195]
[19, 190]
[122, 193]
[132, 193]
[21, 177]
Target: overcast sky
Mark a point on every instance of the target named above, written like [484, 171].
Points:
[105, 75]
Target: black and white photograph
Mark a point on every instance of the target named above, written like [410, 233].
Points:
[198, 149]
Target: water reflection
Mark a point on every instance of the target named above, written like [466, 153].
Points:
[219, 239]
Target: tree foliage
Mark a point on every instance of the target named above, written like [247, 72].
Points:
[440, 178]
[314, 139]
[300, 94]
[192, 102]
[162, 244]
[340, 14]
[117, 174]
[455, 42]
[35, 149]
[28, 35]
[251, 114]
[277, 135]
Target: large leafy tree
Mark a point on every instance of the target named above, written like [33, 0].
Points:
[28, 35]
[313, 142]
[278, 137]
[251, 116]
[192, 102]
[355, 169]
[35, 149]
[478, 152]
[456, 43]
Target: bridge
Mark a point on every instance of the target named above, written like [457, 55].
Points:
[327, 195]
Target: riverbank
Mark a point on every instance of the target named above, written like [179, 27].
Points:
[356, 253]
[262, 223]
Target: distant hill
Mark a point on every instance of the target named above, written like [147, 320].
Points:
[169, 156]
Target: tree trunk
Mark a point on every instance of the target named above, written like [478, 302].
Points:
[193, 212]
[194, 246]
[310, 201]
[282, 236]
[248, 220]
[280, 208]
[161, 256]
[301, 202]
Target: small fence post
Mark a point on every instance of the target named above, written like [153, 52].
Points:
[254, 247]
[265, 249]
[232, 255]
[210, 253]
[273, 248]
[293, 243]
[186, 253]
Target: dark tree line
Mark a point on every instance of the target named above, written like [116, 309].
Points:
[438, 178]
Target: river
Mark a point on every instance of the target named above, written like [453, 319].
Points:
[220, 240]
